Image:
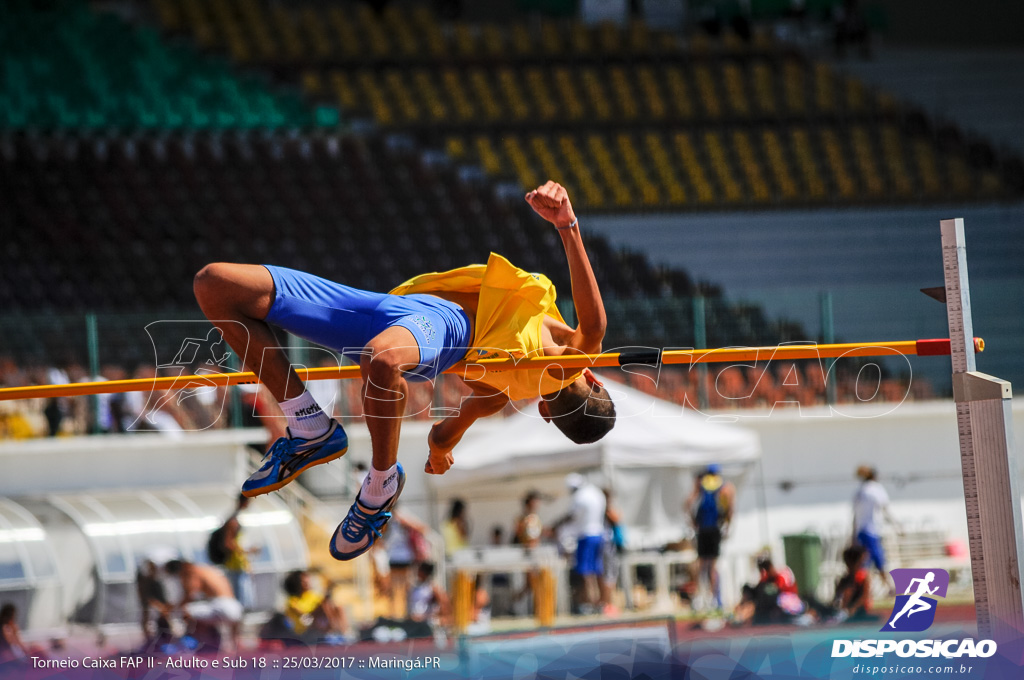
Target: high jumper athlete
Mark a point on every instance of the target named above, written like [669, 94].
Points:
[415, 332]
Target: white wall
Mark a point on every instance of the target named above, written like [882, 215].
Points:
[121, 461]
[914, 447]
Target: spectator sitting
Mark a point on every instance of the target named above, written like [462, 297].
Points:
[773, 599]
[309, 617]
[208, 601]
[312, 615]
[428, 608]
[853, 591]
[427, 600]
[155, 609]
[13, 652]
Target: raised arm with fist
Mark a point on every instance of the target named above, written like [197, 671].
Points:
[551, 202]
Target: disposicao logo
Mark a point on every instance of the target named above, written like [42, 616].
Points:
[914, 610]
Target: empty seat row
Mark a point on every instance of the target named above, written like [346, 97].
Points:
[66, 66]
[685, 168]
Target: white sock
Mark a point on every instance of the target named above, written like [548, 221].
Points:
[305, 417]
[379, 486]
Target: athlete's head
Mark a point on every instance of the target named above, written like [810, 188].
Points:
[582, 410]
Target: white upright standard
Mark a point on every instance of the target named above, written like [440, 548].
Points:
[987, 457]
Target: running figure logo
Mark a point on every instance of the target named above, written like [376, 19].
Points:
[914, 610]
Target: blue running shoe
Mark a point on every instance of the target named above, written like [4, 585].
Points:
[363, 525]
[290, 456]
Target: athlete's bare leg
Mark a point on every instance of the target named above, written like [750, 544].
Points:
[244, 294]
[385, 390]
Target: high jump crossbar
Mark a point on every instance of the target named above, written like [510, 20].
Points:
[470, 369]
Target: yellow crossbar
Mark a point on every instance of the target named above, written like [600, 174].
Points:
[474, 370]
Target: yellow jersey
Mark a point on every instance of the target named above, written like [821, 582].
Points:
[299, 610]
[511, 307]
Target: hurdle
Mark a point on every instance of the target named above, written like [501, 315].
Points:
[474, 370]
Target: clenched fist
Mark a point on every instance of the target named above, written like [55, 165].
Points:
[551, 202]
[439, 459]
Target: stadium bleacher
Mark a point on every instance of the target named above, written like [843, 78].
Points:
[68, 67]
[189, 157]
[740, 123]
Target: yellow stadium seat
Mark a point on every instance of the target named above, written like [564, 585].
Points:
[864, 154]
[793, 84]
[649, 195]
[543, 101]
[764, 88]
[609, 171]
[645, 78]
[721, 167]
[836, 158]
[895, 161]
[706, 91]
[927, 166]
[693, 168]
[750, 166]
[735, 89]
[779, 166]
[624, 94]
[679, 92]
[580, 168]
[809, 169]
[596, 95]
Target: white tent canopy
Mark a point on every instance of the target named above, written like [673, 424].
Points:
[647, 460]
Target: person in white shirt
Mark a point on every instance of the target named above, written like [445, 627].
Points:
[586, 518]
[870, 504]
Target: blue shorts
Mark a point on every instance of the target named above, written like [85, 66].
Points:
[345, 319]
[588, 556]
[873, 544]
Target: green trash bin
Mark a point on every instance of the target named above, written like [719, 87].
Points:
[803, 556]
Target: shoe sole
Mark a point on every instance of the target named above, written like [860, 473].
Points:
[387, 508]
[252, 493]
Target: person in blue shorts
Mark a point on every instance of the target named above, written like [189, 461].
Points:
[587, 507]
[404, 337]
[870, 506]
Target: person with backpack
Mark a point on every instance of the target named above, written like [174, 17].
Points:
[225, 550]
[710, 508]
